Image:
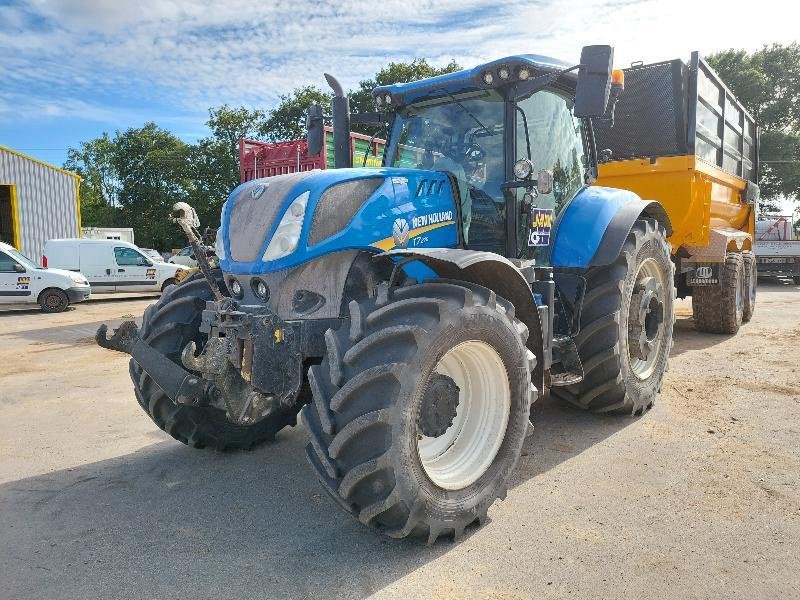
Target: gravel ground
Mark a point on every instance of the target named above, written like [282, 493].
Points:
[697, 499]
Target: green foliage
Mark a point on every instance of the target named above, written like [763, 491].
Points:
[767, 82]
[287, 121]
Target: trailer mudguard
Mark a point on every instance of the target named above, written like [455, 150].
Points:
[593, 227]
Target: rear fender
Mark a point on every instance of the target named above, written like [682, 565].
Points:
[499, 275]
[595, 224]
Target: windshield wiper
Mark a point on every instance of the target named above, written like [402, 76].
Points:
[466, 110]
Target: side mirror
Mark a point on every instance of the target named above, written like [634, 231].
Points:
[315, 130]
[18, 268]
[594, 81]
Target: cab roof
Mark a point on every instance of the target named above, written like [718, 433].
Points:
[472, 79]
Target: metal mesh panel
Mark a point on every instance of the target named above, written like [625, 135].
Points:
[338, 205]
[650, 116]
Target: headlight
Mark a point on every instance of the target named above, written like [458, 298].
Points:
[260, 289]
[78, 278]
[236, 289]
[488, 78]
[503, 72]
[523, 73]
[287, 235]
[523, 168]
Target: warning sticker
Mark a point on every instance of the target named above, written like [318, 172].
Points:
[540, 226]
[23, 283]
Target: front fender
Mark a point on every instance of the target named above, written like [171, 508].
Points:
[499, 274]
[593, 227]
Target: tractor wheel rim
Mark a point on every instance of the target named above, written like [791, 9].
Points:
[466, 450]
[646, 319]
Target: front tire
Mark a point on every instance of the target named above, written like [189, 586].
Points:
[372, 401]
[626, 326]
[53, 300]
[168, 325]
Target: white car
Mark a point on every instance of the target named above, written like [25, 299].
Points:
[184, 257]
[152, 254]
[24, 282]
[110, 265]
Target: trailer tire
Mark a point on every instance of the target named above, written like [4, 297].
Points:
[720, 308]
[750, 285]
[616, 377]
[168, 325]
[374, 392]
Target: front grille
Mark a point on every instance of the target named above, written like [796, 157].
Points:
[252, 218]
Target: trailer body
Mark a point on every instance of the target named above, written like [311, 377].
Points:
[681, 137]
[259, 159]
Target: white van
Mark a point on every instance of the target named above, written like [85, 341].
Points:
[23, 282]
[110, 265]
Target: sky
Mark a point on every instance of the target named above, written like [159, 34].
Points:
[72, 69]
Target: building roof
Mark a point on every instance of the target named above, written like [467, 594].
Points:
[40, 162]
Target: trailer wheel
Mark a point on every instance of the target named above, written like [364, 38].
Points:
[421, 408]
[53, 300]
[750, 284]
[720, 308]
[626, 326]
[168, 325]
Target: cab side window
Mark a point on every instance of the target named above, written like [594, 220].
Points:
[128, 257]
[6, 263]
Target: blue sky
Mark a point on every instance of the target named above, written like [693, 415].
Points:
[71, 69]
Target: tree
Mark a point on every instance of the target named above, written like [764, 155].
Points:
[152, 168]
[93, 161]
[767, 82]
[287, 121]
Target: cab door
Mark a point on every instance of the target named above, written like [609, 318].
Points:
[15, 286]
[135, 272]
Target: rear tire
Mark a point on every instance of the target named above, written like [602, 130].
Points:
[365, 429]
[720, 308]
[168, 325]
[750, 285]
[616, 379]
[53, 300]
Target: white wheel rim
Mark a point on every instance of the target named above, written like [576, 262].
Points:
[458, 457]
[644, 368]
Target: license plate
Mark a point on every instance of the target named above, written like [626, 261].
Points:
[771, 260]
[703, 275]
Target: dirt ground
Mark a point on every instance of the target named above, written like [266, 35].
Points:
[697, 499]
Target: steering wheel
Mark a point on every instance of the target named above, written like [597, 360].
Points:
[474, 152]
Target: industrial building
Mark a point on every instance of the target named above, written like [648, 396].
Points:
[38, 202]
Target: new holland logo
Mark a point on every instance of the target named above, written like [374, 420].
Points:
[400, 231]
[257, 190]
[703, 272]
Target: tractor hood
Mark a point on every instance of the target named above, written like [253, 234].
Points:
[280, 222]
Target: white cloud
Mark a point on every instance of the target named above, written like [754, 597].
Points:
[196, 53]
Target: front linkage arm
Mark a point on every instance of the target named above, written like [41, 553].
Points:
[179, 384]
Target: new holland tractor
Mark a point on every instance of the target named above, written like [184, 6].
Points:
[415, 312]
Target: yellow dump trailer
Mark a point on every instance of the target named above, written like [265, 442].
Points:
[679, 136]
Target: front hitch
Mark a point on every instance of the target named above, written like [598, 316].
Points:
[179, 384]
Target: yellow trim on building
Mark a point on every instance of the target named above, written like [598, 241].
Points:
[41, 162]
[388, 243]
[78, 203]
[16, 241]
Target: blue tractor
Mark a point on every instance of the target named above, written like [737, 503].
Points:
[416, 312]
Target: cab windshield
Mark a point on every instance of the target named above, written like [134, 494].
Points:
[462, 134]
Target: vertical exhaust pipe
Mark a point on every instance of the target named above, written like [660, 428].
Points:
[340, 107]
